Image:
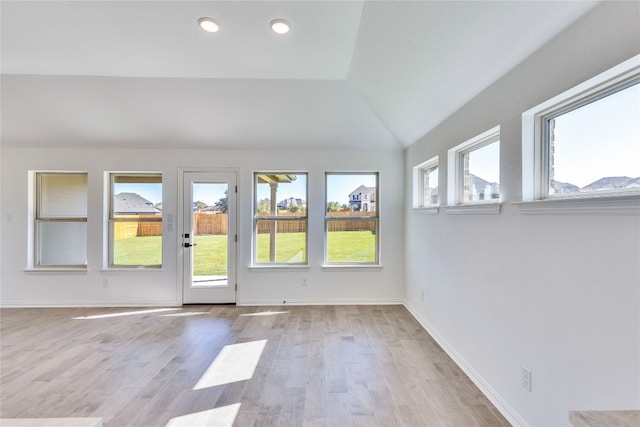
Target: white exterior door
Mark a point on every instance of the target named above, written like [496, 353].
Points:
[208, 237]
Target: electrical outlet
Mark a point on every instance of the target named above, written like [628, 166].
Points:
[105, 282]
[305, 282]
[526, 379]
[422, 296]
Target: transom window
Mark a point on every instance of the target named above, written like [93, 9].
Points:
[351, 219]
[280, 218]
[474, 170]
[585, 141]
[425, 184]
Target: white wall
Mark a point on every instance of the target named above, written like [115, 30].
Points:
[557, 294]
[22, 288]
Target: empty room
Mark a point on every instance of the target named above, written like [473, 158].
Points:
[319, 213]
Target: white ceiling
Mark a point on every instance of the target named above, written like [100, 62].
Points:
[370, 75]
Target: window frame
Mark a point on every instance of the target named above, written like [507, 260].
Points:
[455, 172]
[376, 218]
[419, 172]
[111, 221]
[38, 219]
[536, 145]
[275, 218]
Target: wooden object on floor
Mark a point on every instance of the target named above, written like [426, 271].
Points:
[253, 366]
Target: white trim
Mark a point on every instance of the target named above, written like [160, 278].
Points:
[489, 208]
[613, 205]
[533, 165]
[354, 267]
[81, 304]
[49, 270]
[278, 267]
[319, 301]
[454, 174]
[498, 401]
[434, 210]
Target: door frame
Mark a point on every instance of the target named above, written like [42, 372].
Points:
[182, 171]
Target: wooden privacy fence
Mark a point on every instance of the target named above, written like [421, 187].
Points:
[216, 224]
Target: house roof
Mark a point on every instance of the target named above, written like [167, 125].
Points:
[132, 203]
[363, 189]
[143, 74]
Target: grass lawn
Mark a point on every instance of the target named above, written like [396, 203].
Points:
[210, 254]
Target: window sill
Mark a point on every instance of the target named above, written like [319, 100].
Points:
[475, 209]
[351, 267]
[49, 270]
[135, 270]
[594, 205]
[279, 267]
[426, 211]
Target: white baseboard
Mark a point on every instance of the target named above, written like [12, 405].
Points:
[320, 301]
[501, 405]
[81, 304]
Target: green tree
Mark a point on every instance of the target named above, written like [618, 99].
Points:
[333, 207]
[223, 203]
[264, 206]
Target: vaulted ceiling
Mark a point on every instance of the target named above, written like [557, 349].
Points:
[372, 75]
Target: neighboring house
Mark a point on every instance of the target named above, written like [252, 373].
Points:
[133, 204]
[564, 187]
[481, 189]
[612, 183]
[363, 199]
[291, 201]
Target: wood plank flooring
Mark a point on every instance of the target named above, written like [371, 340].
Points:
[335, 366]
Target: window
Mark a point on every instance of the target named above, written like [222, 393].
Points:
[280, 218]
[351, 218]
[584, 142]
[474, 170]
[425, 184]
[135, 220]
[60, 219]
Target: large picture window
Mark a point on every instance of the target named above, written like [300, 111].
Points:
[280, 218]
[583, 143]
[351, 219]
[61, 219]
[135, 220]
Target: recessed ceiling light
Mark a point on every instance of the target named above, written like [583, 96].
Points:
[280, 26]
[208, 25]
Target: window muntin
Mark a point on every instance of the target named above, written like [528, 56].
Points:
[593, 145]
[61, 219]
[474, 170]
[280, 218]
[352, 218]
[425, 182]
[135, 220]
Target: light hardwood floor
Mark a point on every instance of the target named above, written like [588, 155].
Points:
[320, 366]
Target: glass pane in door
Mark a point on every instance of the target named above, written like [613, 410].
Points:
[210, 224]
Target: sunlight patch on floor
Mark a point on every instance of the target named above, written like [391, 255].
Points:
[125, 313]
[235, 362]
[223, 416]
[265, 313]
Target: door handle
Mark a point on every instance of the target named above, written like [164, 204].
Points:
[188, 245]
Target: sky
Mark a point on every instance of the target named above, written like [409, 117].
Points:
[151, 192]
[599, 139]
